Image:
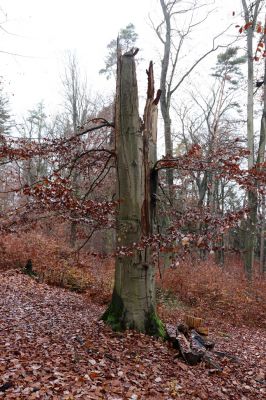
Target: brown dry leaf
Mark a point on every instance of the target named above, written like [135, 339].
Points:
[41, 327]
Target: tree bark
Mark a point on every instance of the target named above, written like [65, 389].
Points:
[262, 237]
[133, 303]
[260, 160]
[165, 97]
[251, 221]
[250, 234]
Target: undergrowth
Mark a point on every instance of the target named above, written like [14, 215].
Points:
[56, 264]
[200, 287]
[208, 289]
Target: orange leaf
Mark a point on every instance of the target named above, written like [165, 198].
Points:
[94, 374]
[246, 26]
[89, 344]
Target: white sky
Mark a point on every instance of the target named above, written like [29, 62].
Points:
[45, 29]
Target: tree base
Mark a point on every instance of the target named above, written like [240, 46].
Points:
[154, 326]
[115, 316]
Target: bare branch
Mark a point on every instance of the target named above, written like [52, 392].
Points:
[214, 48]
[18, 55]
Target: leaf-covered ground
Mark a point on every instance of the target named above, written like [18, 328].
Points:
[53, 346]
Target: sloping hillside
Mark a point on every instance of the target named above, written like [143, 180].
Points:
[53, 346]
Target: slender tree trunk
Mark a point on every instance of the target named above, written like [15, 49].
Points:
[250, 235]
[73, 227]
[220, 252]
[165, 101]
[260, 160]
[252, 203]
[133, 301]
[250, 98]
[165, 97]
[262, 237]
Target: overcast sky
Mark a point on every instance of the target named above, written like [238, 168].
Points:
[42, 30]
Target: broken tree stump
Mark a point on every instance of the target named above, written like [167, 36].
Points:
[28, 270]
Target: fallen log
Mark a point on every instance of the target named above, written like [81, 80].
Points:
[198, 341]
[190, 355]
[193, 347]
[224, 354]
[211, 363]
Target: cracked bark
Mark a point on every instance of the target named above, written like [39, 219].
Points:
[133, 302]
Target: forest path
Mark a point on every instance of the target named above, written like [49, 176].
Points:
[52, 346]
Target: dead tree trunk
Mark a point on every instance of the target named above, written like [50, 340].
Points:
[133, 301]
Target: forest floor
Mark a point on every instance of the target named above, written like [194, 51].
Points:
[53, 346]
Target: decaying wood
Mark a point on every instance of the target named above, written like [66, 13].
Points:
[194, 348]
[193, 322]
[199, 341]
[211, 363]
[203, 330]
[190, 352]
[183, 328]
[133, 304]
[224, 354]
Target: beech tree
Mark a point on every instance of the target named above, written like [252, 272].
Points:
[260, 161]
[251, 12]
[133, 301]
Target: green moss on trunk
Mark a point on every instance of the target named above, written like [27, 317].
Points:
[154, 326]
[115, 317]
[114, 313]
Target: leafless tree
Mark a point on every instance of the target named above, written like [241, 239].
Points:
[251, 11]
[173, 35]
